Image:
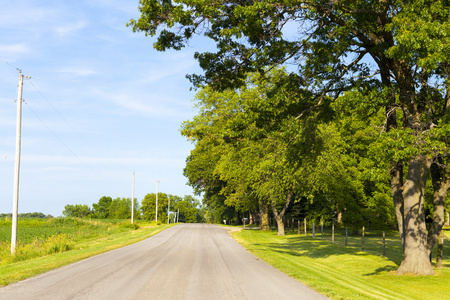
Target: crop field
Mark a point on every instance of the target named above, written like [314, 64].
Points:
[46, 244]
[39, 237]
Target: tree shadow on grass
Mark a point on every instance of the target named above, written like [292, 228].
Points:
[385, 269]
[297, 246]
[315, 248]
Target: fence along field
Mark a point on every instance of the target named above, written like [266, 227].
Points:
[377, 242]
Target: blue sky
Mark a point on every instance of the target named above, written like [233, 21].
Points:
[101, 104]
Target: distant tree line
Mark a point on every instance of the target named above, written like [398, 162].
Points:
[28, 215]
[189, 209]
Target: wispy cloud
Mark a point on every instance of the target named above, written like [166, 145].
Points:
[71, 28]
[7, 50]
[143, 107]
[79, 71]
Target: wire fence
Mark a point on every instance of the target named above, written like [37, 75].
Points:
[377, 242]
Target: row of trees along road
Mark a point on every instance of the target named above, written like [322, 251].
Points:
[382, 63]
[189, 208]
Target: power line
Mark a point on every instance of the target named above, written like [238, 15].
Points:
[67, 147]
[72, 127]
[12, 66]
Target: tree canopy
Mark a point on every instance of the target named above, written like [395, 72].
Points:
[399, 50]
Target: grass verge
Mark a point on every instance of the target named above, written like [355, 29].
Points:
[11, 272]
[345, 272]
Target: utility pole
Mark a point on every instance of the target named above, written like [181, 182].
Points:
[156, 214]
[168, 211]
[17, 164]
[132, 202]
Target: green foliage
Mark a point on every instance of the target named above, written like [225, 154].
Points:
[149, 207]
[106, 208]
[77, 211]
[28, 215]
[189, 208]
[102, 208]
[251, 147]
[271, 137]
[120, 208]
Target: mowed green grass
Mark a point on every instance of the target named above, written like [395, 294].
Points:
[346, 272]
[44, 245]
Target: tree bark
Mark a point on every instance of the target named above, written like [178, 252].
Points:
[440, 186]
[397, 169]
[264, 215]
[440, 250]
[397, 194]
[416, 259]
[279, 215]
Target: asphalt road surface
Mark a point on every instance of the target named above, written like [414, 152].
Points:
[187, 261]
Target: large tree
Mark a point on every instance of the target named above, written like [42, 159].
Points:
[102, 208]
[148, 207]
[400, 47]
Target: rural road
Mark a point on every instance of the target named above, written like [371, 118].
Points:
[187, 261]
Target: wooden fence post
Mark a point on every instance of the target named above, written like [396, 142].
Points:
[321, 228]
[305, 225]
[346, 235]
[332, 232]
[362, 248]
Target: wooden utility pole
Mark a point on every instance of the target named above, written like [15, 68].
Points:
[17, 164]
[168, 211]
[156, 213]
[132, 202]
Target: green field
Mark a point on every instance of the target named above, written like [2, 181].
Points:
[45, 244]
[31, 229]
[346, 272]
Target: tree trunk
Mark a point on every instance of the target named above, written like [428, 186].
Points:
[397, 194]
[279, 215]
[264, 215]
[440, 186]
[280, 225]
[397, 169]
[339, 218]
[416, 259]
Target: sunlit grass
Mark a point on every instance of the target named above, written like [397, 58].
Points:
[346, 272]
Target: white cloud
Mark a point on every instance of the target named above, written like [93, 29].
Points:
[153, 105]
[24, 14]
[7, 50]
[80, 71]
[69, 29]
